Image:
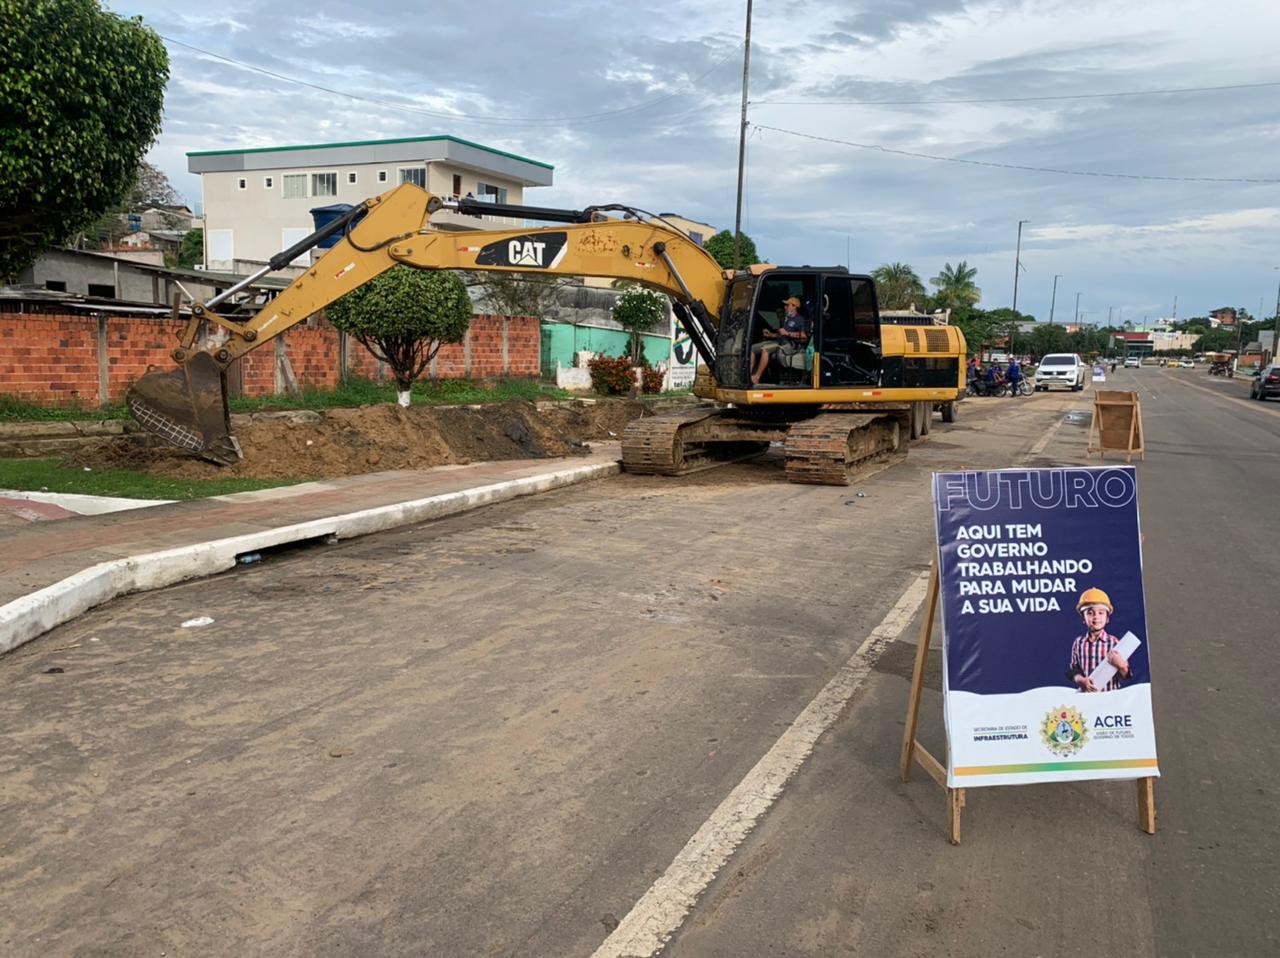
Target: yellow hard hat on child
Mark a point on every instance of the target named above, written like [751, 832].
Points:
[1094, 597]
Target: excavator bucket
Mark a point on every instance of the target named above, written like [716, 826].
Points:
[188, 408]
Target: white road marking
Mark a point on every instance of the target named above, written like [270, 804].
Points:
[664, 907]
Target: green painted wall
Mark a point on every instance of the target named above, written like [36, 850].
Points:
[561, 340]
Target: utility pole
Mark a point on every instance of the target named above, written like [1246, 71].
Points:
[1054, 299]
[1175, 309]
[1275, 343]
[742, 145]
[1077, 319]
[1109, 309]
[1017, 265]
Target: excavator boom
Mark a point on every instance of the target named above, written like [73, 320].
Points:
[188, 406]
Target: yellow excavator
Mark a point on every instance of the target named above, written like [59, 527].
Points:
[854, 392]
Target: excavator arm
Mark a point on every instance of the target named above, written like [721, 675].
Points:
[187, 406]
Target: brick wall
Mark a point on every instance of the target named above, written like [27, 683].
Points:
[65, 359]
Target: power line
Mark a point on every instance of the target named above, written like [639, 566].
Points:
[1017, 166]
[1020, 99]
[440, 114]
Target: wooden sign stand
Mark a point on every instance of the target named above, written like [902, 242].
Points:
[1117, 424]
[913, 750]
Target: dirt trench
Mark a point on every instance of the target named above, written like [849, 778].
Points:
[341, 442]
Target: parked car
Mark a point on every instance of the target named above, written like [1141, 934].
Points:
[1132, 362]
[1061, 369]
[1267, 384]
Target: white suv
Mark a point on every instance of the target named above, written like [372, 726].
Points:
[1061, 369]
[1131, 362]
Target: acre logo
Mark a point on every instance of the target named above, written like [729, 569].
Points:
[531, 251]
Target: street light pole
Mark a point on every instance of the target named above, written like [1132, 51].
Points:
[1017, 266]
[1054, 298]
[1077, 319]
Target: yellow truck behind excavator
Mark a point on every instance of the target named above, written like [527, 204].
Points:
[848, 395]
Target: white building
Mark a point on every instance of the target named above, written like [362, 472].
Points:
[258, 202]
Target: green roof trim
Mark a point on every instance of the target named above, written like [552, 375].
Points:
[404, 139]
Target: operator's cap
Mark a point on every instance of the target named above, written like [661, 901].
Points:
[792, 300]
[1094, 597]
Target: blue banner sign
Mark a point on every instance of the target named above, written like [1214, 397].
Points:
[1047, 673]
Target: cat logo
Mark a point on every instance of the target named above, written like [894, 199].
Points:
[525, 253]
[530, 251]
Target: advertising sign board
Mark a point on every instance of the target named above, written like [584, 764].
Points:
[1046, 657]
[684, 358]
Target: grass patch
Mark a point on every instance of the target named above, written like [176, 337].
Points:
[49, 475]
[13, 409]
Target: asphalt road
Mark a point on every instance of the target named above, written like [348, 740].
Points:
[490, 735]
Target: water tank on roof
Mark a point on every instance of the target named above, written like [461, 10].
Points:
[322, 216]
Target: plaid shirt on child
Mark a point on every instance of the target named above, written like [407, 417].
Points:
[1087, 656]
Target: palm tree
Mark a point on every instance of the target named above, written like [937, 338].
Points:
[898, 286]
[956, 289]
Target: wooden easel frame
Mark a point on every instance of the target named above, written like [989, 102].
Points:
[1136, 442]
[913, 750]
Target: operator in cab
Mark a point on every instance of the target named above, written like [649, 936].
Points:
[792, 335]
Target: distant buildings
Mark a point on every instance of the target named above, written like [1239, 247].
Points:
[258, 202]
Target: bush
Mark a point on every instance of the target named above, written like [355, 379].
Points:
[611, 375]
[650, 379]
[615, 376]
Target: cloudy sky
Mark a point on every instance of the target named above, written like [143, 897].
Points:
[640, 104]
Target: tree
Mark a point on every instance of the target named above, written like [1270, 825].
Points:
[898, 286]
[403, 316]
[1005, 323]
[1049, 338]
[956, 290]
[638, 310]
[720, 246]
[81, 96]
[977, 328]
[191, 252]
[1217, 340]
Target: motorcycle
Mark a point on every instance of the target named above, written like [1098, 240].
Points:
[980, 387]
[1220, 369]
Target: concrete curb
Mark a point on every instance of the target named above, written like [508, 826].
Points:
[32, 615]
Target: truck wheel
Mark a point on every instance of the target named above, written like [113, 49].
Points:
[949, 411]
[926, 418]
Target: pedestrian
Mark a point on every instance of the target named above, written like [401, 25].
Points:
[1013, 375]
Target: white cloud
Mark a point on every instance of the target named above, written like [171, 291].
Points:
[1119, 242]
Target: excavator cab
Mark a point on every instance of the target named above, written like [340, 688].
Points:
[844, 329]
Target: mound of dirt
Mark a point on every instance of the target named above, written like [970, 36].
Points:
[341, 442]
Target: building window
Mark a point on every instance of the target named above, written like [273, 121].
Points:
[417, 175]
[351, 178]
[100, 289]
[324, 184]
[491, 193]
[457, 185]
[268, 182]
[696, 237]
[295, 186]
[382, 176]
[242, 184]
[55, 285]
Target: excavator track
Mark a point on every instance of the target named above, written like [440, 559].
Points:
[827, 449]
[680, 443]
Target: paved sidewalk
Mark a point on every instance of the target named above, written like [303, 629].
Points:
[51, 571]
